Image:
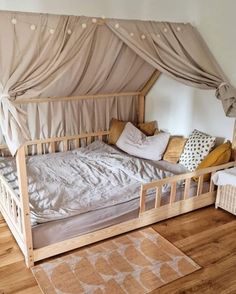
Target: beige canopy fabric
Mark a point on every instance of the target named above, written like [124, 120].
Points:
[49, 55]
[179, 51]
[47, 120]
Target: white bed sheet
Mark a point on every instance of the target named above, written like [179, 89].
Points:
[71, 183]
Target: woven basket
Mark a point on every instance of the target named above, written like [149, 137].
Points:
[226, 198]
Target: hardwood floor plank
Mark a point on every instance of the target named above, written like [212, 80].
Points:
[186, 225]
[216, 278]
[16, 278]
[210, 245]
[9, 250]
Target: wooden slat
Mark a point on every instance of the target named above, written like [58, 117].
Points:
[14, 213]
[212, 185]
[52, 147]
[8, 201]
[39, 148]
[65, 145]
[77, 143]
[173, 192]
[200, 185]
[187, 188]
[83, 97]
[89, 140]
[142, 200]
[158, 197]
[141, 108]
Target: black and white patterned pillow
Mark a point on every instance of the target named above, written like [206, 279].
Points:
[196, 148]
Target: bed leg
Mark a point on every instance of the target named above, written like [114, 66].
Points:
[29, 261]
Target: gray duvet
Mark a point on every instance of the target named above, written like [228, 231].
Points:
[71, 183]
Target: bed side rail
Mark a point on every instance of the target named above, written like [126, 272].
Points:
[52, 145]
[185, 180]
[11, 210]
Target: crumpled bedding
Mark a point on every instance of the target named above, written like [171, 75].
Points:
[74, 182]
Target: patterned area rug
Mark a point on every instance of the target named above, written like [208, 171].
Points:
[137, 262]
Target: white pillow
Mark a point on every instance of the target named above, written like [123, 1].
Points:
[134, 142]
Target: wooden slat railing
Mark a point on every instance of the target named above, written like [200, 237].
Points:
[185, 180]
[10, 208]
[52, 145]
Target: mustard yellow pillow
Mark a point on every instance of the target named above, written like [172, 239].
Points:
[174, 149]
[116, 128]
[148, 128]
[218, 156]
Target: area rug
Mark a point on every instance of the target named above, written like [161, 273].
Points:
[137, 262]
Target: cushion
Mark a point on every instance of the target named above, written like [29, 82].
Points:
[174, 149]
[148, 128]
[218, 156]
[134, 142]
[196, 149]
[116, 128]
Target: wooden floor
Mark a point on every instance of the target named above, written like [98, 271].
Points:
[208, 236]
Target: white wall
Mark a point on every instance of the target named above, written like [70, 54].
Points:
[180, 109]
[141, 9]
[176, 107]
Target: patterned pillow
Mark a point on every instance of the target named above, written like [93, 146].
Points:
[197, 147]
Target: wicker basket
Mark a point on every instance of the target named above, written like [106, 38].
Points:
[226, 198]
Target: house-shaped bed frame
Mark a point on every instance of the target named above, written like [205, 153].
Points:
[16, 210]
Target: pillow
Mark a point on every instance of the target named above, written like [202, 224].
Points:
[218, 156]
[148, 128]
[134, 142]
[196, 148]
[116, 128]
[174, 149]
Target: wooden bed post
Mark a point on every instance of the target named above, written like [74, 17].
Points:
[24, 200]
[143, 93]
[141, 108]
[234, 141]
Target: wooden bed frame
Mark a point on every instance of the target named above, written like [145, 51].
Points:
[16, 211]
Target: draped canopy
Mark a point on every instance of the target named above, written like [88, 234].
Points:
[49, 56]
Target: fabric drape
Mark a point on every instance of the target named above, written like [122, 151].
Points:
[48, 56]
[78, 116]
[54, 56]
[179, 51]
[26, 66]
